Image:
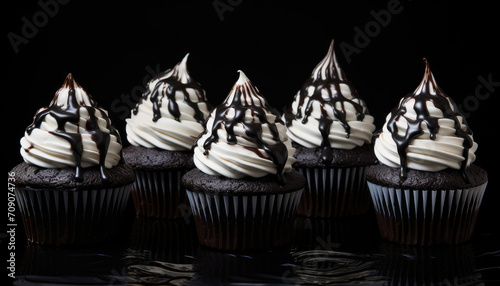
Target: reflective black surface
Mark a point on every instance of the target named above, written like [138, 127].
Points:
[345, 251]
[115, 49]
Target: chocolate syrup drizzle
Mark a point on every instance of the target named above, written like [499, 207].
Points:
[243, 94]
[327, 76]
[70, 113]
[428, 90]
[171, 85]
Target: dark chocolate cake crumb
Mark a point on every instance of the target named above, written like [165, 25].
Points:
[53, 178]
[156, 159]
[311, 157]
[196, 180]
[448, 179]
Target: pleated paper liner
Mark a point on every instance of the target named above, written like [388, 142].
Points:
[67, 217]
[334, 192]
[426, 217]
[160, 194]
[231, 222]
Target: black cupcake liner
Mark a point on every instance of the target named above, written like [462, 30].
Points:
[160, 194]
[67, 217]
[426, 217]
[334, 192]
[236, 222]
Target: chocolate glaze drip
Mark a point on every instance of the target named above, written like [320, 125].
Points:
[326, 76]
[71, 114]
[428, 90]
[171, 85]
[243, 94]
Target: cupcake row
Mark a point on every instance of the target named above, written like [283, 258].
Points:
[243, 170]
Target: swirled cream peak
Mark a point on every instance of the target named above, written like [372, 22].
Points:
[327, 111]
[426, 132]
[72, 132]
[171, 113]
[244, 136]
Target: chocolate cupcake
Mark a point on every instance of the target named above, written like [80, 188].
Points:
[426, 189]
[332, 131]
[162, 129]
[244, 193]
[73, 186]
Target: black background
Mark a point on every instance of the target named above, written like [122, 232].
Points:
[108, 48]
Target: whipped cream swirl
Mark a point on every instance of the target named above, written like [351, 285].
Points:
[171, 113]
[426, 132]
[244, 137]
[328, 112]
[72, 132]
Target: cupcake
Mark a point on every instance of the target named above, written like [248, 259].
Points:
[73, 185]
[330, 127]
[426, 189]
[243, 191]
[162, 129]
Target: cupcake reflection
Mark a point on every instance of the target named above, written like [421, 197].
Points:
[161, 251]
[214, 267]
[49, 265]
[410, 265]
[352, 233]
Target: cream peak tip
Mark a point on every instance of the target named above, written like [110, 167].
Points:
[184, 60]
[70, 82]
[331, 48]
[243, 78]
